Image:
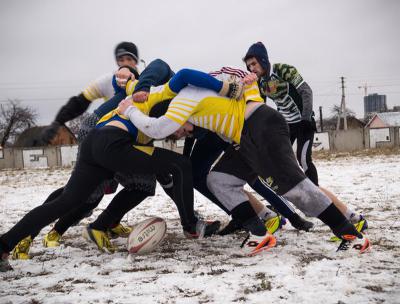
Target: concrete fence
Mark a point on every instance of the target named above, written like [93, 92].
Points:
[55, 156]
[65, 156]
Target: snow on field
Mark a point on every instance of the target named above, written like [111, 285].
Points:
[303, 268]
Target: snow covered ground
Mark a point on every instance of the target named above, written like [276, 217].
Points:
[303, 268]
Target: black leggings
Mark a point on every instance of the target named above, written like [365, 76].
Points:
[305, 138]
[123, 201]
[104, 152]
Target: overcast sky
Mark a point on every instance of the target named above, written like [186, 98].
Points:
[51, 49]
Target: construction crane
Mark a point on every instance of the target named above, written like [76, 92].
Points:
[365, 87]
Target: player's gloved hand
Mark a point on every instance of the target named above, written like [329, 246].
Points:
[50, 132]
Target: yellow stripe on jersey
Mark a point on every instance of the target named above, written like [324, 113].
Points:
[92, 93]
[218, 114]
[130, 86]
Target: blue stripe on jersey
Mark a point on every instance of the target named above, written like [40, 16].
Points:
[130, 126]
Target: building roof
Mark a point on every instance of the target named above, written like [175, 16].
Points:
[390, 119]
[32, 137]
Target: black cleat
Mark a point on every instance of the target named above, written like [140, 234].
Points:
[202, 229]
[232, 227]
[300, 224]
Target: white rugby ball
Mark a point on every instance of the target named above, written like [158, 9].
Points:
[146, 235]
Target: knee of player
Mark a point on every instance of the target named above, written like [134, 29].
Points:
[212, 181]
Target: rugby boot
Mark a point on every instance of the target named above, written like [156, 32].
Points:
[202, 229]
[119, 231]
[4, 264]
[254, 244]
[21, 250]
[100, 238]
[231, 227]
[273, 224]
[361, 226]
[52, 239]
[300, 223]
[351, 238]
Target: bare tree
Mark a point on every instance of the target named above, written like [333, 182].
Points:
[14, 119]
[336, 110]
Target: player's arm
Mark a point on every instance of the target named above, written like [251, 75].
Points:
[156, 128]
[156, 73]
[307, 100]
[75, 107]
[291, 75]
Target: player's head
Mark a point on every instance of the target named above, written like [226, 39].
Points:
[126, 54]
[256, 60]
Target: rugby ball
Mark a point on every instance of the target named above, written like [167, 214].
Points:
[146, 235]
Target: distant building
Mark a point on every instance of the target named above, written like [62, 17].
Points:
[330, 124]
[374, 103]
[384, 120]
[32, 137]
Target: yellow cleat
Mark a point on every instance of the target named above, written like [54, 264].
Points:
[21, 251]
[52, 239]
[273, 224]
[100, 238]
[119, 231]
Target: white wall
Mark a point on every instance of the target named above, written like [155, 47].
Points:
[378, 135]
[321, 141]
[34, 158]
[68, 155]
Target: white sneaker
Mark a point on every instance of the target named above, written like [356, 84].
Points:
[254, 244]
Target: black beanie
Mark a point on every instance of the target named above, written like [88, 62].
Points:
[126, 48]
[258, 51]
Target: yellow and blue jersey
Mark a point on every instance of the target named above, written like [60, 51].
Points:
[157, 94]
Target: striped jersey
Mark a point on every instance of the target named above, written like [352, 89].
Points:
[282, 87]
[206, 109]
[157, 94]
[100, 88]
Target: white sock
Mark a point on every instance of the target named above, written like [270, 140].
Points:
[266, 214]
[352, 216]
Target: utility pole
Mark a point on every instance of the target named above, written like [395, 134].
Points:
[321, 122]
[365, 87]
[342, 110]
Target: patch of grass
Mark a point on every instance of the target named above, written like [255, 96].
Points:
[307, 259]
[374, 288]
[61, 288]
[145, 268]
[214, 272]
[329, 155]
[83, 281]
[262, 286]
[187, 293]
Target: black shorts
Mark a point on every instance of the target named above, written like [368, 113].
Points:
[265, 150]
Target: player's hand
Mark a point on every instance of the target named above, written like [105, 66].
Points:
[140, 96]
[124, 105]
[122, 76]
[249, 78]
